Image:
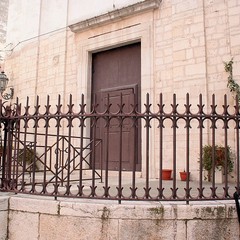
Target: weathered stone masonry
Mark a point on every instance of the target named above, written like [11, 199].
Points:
[24, 218]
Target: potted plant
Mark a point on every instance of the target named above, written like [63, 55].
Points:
[219, 154]
[27, 155]
[183, 175]
[166, 174]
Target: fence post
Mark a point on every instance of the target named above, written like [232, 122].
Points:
[236, 198]
[7, 181]
[4, 156]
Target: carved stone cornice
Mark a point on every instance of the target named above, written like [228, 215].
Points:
[115, 15]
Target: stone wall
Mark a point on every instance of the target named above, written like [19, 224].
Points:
[183, 46]
[189, 40]
[3, 217]
[42, 218]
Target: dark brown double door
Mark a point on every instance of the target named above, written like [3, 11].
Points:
[116, 80]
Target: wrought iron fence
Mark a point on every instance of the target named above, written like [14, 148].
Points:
[115, 151]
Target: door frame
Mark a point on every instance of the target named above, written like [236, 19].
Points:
[143, 32]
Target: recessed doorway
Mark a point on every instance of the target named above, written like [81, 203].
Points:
[116, 77]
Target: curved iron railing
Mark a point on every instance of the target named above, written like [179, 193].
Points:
[118, 152]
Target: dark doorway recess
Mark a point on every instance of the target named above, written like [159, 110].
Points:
[116, 78]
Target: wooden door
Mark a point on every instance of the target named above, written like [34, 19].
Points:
[116, 78]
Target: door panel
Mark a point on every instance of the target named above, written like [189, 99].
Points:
[121, 146]
[116, 79]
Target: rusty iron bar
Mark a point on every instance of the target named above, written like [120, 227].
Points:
[237, 126]
[201, 118]
[161, 126]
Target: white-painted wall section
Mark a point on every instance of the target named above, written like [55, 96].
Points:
[24, 15]
[85, 9]
[23, 21]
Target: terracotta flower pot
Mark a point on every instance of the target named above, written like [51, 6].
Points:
[183, 176]
[166, 174]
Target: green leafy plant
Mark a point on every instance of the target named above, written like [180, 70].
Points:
[219, 156]
[27, 154]
[232, 84]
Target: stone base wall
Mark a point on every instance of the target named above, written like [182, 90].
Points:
[22, 217]
[3, 217]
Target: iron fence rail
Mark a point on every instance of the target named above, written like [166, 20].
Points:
[111, 153]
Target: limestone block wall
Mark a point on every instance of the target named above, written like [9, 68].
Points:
[183, 45]
[3, 217]
[42, 218]
[189, 40]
